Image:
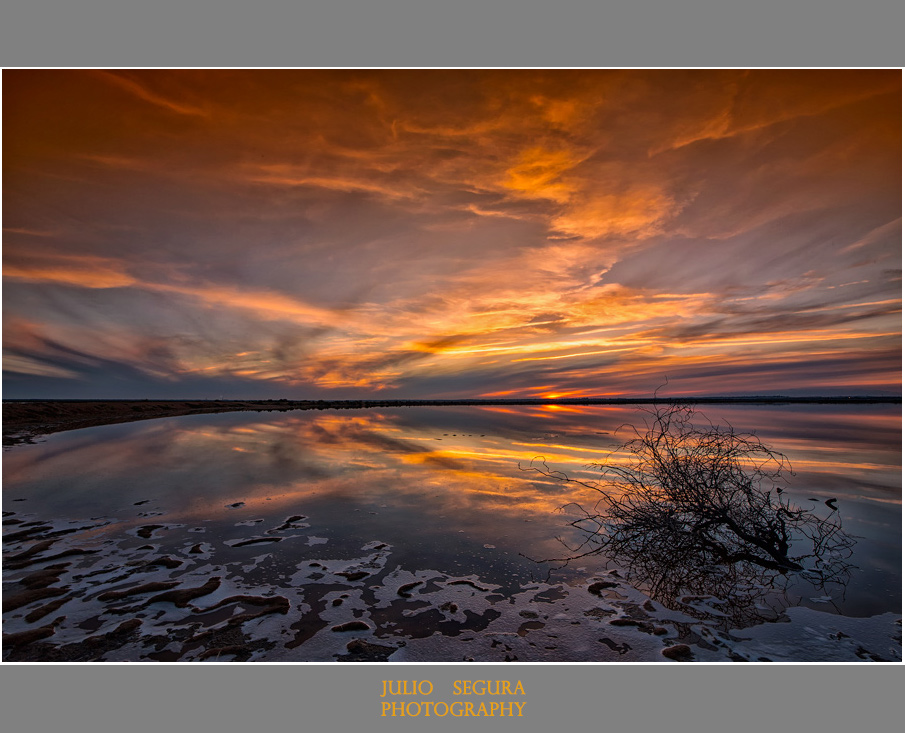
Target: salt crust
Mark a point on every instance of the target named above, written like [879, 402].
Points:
[472, 620]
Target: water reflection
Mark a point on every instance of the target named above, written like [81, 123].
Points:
[692, 512]
[442, 485]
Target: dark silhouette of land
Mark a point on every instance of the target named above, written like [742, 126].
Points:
[24, 419]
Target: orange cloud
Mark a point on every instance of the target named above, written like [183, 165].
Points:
[144, 93]
[538, 172]
[754, 100]
[84, 272]
[641, 212]
[375, 230]
[264, 304]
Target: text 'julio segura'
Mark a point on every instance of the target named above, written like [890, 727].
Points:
[458, 708]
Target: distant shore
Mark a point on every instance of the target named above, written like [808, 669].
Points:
[26, 419]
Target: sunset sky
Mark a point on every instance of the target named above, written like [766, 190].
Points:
[396, 234]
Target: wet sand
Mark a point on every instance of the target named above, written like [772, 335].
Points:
[23, 421]
[116, 589]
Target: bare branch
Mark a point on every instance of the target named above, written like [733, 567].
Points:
[697, 508]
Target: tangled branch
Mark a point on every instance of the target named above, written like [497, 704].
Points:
[685, 508]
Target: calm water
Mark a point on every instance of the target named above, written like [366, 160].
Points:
[443, 486]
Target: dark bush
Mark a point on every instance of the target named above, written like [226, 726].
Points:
[686, 506]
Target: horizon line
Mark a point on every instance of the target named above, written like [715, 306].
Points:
[491, 400]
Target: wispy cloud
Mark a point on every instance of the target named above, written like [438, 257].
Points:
[146, 94]
[454, 232]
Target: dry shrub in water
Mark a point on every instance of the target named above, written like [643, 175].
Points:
[688, 506]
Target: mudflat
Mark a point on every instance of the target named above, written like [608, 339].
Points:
[23, 421]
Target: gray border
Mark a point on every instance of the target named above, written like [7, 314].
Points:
[466, 32]
[624, 698]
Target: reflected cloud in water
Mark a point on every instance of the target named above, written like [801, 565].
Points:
[441, 484]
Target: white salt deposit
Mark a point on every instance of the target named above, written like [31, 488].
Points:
[188, 601]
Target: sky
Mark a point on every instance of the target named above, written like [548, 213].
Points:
[332, 234]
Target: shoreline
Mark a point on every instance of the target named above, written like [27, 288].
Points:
[26, 419]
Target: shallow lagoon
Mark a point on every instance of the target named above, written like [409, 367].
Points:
[412, 531]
